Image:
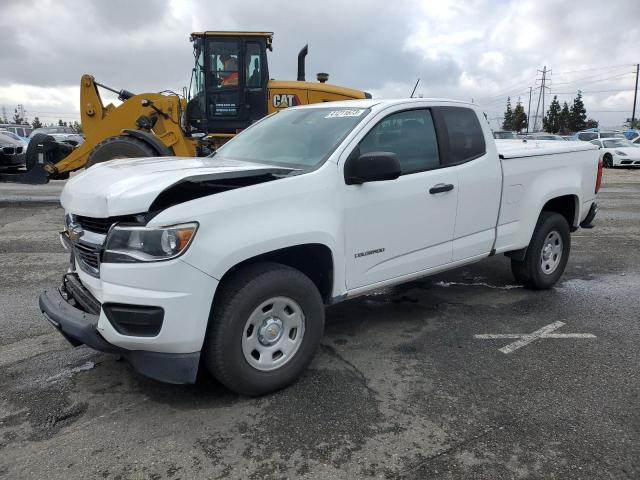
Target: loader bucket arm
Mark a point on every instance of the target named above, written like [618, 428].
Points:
[100, 122]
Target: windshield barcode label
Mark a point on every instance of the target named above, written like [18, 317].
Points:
[345, 113]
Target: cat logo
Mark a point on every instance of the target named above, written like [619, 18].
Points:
[284, 100]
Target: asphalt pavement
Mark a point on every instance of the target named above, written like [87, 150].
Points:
[410, 382]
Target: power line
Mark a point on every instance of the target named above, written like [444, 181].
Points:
[613, 67]
[582, 80]
[592, 91]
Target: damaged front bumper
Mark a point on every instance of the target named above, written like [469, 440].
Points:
[74, 312]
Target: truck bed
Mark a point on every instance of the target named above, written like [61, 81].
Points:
[532, 173]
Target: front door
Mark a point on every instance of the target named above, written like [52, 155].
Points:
[399, 227]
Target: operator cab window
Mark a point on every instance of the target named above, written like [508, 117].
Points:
[252, 64]
[223, 64]
[464, 134]
[410, 135]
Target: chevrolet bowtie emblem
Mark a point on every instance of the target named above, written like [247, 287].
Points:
[74, 231]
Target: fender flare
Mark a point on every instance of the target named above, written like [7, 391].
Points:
[152, 140]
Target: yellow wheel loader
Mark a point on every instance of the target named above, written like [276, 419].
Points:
[229, 89]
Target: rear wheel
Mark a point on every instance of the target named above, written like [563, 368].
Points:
[121, 146]
[266, 324]
[607, 161]
[547, 253]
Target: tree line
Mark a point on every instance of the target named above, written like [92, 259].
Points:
[563, 119]
[17, 119]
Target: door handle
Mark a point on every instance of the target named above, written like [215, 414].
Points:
[440, 188]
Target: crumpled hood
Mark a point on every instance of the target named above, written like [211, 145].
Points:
[126, 186]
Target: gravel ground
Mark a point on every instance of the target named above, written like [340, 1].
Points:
[400, 387]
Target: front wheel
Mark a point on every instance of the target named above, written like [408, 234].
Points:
[547, 253]
[607, 161]
[266, 324]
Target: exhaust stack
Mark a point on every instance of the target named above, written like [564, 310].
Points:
[301, 56]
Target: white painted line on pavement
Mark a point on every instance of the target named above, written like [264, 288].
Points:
[524, 339]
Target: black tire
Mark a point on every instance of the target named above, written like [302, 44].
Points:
[530, 272]
[121, 146]
[31, 157]
[607, 161]
[241, 295]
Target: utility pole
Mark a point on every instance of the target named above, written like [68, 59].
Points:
[544, 72]
[635, 97]
[529, 110]
[544, 77]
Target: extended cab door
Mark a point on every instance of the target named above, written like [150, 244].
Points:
[399, 227]
[470, 150]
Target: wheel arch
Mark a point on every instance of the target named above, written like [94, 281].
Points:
[315, 260]
[566, 205]
[150, 139]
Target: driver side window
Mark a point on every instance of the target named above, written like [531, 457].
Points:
[410, 135]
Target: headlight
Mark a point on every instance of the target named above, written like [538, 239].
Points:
[130, 244]
[618, 152]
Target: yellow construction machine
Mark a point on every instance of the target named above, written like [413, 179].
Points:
[229, 89]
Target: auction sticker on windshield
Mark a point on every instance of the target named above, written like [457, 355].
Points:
[345, 113]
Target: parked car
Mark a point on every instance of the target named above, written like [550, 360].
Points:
[12, 152]
[21, 130]
[618, 152]
[587, 136]
[504, 135]
[636, 141]
[632, 134]
[18, 138]
[228, 261]
[543, 136]
[61, 134]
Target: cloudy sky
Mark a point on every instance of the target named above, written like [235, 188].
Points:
[477, 49]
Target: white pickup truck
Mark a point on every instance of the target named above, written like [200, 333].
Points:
[227, 262]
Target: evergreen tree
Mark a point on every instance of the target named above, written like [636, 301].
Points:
[507, 124]
[36, 123]
[519, 118]
[591, 123]
[76, 126]
[551, 122]
[565, 118]
[578, 117]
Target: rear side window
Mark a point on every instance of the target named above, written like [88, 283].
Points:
[587, 136]
[464, 134]
[410, 135]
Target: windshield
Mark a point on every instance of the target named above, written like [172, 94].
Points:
[617, 143]
[301, 138]
[505, 136]
[611, 135]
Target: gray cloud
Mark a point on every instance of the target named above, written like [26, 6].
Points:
[481, 49]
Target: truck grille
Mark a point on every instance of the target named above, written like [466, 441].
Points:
[102, 225]
[89, 257]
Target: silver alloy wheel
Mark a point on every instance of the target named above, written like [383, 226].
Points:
[551, 252]
[273, 333]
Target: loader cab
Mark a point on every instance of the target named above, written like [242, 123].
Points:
[228, 88]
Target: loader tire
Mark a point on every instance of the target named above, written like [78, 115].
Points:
[121, 146]
[31, 157]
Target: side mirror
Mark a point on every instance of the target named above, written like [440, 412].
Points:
[371, 167]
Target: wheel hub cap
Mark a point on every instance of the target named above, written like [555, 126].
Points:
[270, 331]
[273, 333]
[551, 253]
